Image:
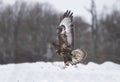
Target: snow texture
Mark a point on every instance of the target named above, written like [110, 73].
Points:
[54, 72]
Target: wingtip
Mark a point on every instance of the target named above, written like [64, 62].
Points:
[68, 13]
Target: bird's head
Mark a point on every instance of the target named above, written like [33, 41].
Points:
[61, 29]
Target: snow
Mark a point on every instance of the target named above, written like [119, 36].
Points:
[54, 72]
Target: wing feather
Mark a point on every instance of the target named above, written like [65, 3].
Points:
[67, 22]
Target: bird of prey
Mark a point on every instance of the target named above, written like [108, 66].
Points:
[65, 31]
[65, 46]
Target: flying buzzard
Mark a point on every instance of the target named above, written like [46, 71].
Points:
[65, 31]
[65, 46]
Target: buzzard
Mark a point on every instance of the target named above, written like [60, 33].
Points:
[65, 46]
[65, 31]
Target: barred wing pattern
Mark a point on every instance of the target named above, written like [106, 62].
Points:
[66, 31]
[65, 46]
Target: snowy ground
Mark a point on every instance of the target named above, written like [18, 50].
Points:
[54, 72]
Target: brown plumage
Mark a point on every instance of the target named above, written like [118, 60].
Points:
[65, 35]
[65, 31]
[65, 46]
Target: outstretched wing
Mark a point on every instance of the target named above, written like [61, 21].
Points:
[66, 30]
